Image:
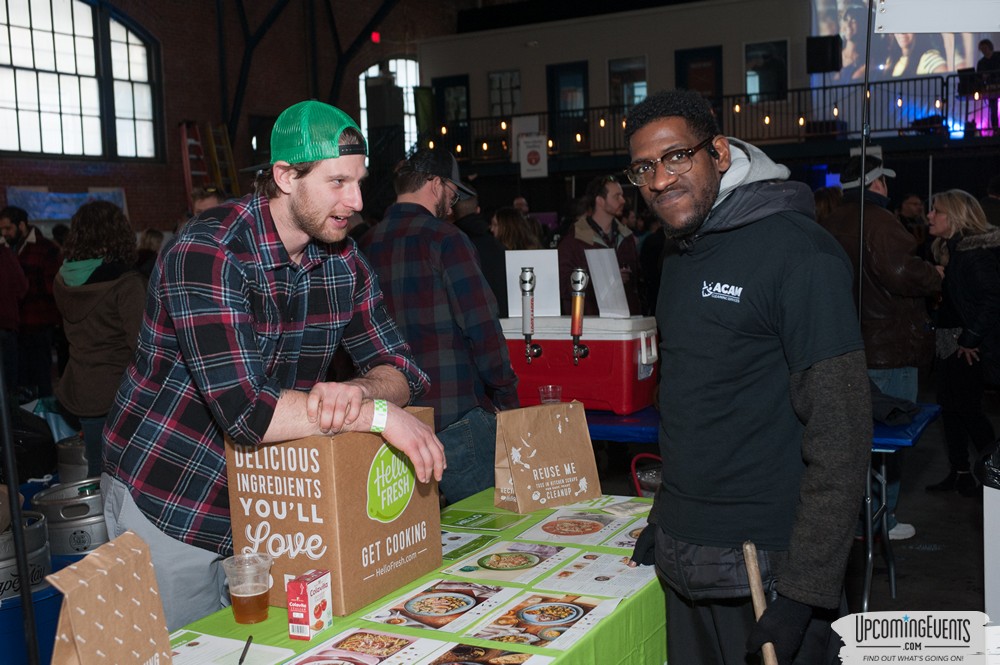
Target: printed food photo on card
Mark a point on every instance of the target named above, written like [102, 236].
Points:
[367, 647]
[571, 526]
[545, 620]
[625, 539]
[599, 575]
[511, 562]
[469, 654]
[442, 605]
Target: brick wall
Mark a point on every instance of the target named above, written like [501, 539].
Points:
[281, 73]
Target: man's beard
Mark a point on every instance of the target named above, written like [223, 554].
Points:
[442, 207]
[706, 198]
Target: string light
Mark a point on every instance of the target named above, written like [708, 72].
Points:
[430, 144]
[899, 102]
[550, 143]
[937, 103]
[802, 121]
[836, 111]
[486, 146]
[444, 130]
[579, 138]
[503, 125]
[602, 122]
[736, 108]
[458, 148]
[767, 120]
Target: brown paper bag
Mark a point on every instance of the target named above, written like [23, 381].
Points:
[544, 458]
[112, 611]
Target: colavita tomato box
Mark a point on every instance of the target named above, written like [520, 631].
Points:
[309, 601]
[350, 504]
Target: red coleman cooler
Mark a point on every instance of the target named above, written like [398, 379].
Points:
[618, 374]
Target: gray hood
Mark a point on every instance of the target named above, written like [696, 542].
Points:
[753, 188]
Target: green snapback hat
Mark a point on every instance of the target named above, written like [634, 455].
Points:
[310, 131]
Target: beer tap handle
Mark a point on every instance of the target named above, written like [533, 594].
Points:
[578, 286]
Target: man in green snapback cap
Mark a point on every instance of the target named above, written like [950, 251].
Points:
[245, 309]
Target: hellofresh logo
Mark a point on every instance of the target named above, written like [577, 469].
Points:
[391, 481]
[913, 637]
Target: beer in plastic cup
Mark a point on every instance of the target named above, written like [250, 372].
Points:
[249, 576]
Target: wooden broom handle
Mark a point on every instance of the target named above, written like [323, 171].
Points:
[757, 595]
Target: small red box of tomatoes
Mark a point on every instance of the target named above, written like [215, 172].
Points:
[309, 604]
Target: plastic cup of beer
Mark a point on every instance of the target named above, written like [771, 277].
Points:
[550, 394]
[248, 576]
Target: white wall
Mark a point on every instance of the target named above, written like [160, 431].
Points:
[654, 33]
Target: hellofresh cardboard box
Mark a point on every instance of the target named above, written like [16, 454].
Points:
[350, 504]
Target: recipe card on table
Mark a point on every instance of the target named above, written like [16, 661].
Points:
[552, 621]
[469, 654]
[614, 504]
[511, 562]
[442, 605]
[188, 647]
[599, 575]
[360, 646]
[458, 544]
[480, 520]
[571, 526]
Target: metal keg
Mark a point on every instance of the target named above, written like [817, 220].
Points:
[75, 516]
[36, 543]
[71, 456]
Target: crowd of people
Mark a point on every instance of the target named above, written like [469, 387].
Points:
[230, 330]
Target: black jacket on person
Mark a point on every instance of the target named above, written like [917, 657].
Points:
[492, 259]
[972, 290]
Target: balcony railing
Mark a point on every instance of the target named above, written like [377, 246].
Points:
[926, 105]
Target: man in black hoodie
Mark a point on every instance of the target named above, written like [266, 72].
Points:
[766, 416]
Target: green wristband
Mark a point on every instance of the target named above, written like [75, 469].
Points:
[381, 414]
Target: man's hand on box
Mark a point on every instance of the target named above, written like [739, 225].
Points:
[417, 441]
[334, 407]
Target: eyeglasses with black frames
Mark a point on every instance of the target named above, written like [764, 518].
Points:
[454, 192]
[675, 162]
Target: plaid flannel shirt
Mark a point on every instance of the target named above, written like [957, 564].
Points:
[230, 322]
[436, 291]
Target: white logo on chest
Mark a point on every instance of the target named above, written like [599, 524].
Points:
[721, 291]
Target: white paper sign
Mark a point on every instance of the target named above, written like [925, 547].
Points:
[533, 150]
[546, 265]
[606, 278]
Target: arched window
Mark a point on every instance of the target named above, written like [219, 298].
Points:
[75, 80]
[406, 74]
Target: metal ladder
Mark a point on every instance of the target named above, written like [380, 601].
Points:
[207, 163]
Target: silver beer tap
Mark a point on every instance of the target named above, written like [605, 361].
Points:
[527, 281]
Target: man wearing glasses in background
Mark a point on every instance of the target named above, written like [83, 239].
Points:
[598, 229]
[437, 294]
[766, 416]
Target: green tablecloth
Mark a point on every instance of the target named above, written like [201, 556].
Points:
[634, 634]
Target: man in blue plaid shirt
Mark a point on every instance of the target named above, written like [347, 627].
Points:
[245, 309]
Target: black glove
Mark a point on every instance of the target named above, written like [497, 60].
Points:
[783, 624]
[645, 547]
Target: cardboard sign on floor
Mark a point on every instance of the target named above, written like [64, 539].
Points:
[112, 611]
[350, 504]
